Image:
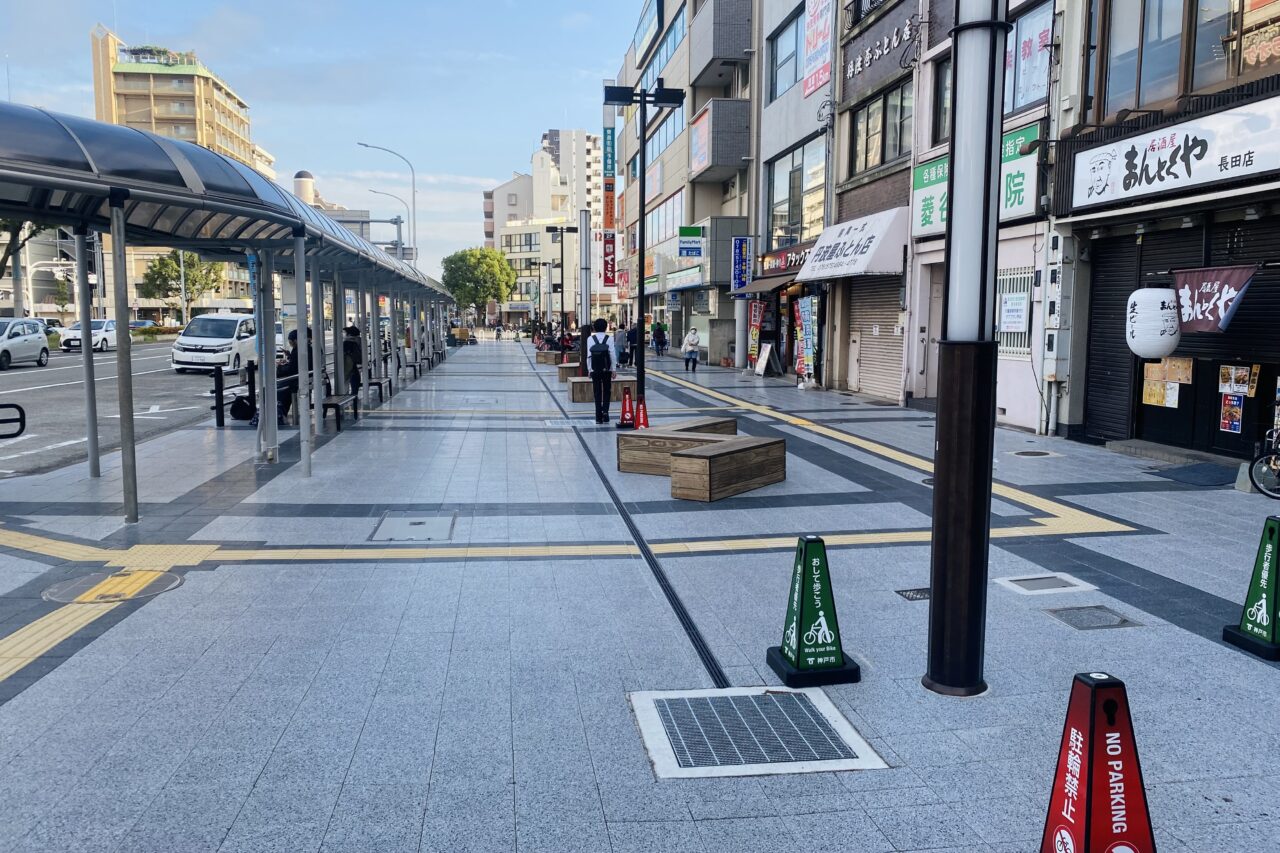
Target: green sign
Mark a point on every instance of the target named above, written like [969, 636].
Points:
[1019, 184]
[1260, 612]
[811, 634]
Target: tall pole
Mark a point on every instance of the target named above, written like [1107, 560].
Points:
[317, 344]
[564, 318]
[340, 386]
[124, 369]
[84, 305]
[413, 188]
[267, 415]
[19, 281]
[965, 434]
[641, 236]
[302, 396]
[182, 283]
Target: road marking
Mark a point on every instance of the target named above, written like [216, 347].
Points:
[97, 379]
[96, 362]
[43, 449]
[149, 414]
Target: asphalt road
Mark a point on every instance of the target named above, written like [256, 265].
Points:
[54, 400]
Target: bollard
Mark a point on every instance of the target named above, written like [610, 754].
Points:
[218, 418]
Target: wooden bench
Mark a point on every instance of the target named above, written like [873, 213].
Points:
[726, 468]
[580, 389]
[648, 451]
[410, 365]
[547, 356]
[383, 387]
[722, 426]
[336, 404]
[567, 371]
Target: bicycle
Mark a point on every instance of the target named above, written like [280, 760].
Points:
[1264, 472]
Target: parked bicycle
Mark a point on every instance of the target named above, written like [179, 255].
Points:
[1264, 473]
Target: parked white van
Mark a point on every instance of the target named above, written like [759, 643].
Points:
[210, 341]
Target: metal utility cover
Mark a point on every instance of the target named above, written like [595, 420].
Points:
[414, 527]
[1044, 583]
[1094, 618]
[749, 731]
[1034, 454]
[918, 594]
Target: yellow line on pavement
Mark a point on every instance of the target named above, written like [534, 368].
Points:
[550, 414]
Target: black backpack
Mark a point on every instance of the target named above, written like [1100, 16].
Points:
[599, 352]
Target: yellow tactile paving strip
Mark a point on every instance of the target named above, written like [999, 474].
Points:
[145, 562]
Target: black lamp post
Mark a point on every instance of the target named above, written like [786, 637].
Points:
[562, 230]
[660, 97]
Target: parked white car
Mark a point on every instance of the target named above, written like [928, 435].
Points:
[22, 341]
[213, 341]
[102, 334]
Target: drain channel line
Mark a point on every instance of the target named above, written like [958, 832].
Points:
[708, 658]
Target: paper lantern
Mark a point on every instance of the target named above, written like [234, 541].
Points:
[1151, 322]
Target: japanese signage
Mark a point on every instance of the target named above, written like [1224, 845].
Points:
[690, 241]
[1014, 312]
[1231, 417]
[1019, 185]
[817, 45]
[1208, 298]
[673, 300]
[624, 284]
[1261, 48]
[755, 315]
[864, 246]
[610, 152]
[610, 259]
[1233, 379]
[1225, 146]
[610, 206]
[702, 301]
[785, 260]
[873, 57]
[1259, 616]
[1026, 59]
[742, 252]
[798, 348]
[700, 142]
[1098, 801]
[810, 634]
[809, 321]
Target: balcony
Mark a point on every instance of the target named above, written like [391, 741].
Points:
[719, 140]
[719, 39]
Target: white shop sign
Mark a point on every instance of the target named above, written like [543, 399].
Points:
[1225, 146]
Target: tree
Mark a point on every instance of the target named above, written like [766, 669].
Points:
[15, 239]
[474, 276]
[164, 275]
[62, 298]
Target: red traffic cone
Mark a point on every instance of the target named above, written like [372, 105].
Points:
[628, 417]
[565, 360]
[642, 415]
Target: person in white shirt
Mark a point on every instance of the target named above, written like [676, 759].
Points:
[602, 361]
[690, 350]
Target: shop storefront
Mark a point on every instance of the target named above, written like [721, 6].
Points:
[1169, 208]
[776, 291]
[858, 267]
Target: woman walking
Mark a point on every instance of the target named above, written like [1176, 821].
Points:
[690, 350]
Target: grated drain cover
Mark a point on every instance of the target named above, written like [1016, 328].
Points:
[1043, 584]
[748, 731]
[1094, 618]
[918, 594]
[399, 526]
[103, 588]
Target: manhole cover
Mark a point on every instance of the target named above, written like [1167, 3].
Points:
[103, 588]
[748, 731]
[480, 401]
[559, 422]
[1034, 453]
[920, 594]
[1092, 618]
[413, 527]
[1043, 584]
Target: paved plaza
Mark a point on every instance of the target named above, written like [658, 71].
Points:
[313, 684]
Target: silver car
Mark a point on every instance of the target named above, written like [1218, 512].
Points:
[21, 341]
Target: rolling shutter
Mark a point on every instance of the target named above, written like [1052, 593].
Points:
[1109, 375]
[874, 306]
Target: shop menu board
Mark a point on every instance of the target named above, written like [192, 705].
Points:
[1160, 381]
[1232, 411]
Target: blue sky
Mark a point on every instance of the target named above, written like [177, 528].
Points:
[463, 89]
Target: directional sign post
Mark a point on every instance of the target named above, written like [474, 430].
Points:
[1257, 631]
[811, 654]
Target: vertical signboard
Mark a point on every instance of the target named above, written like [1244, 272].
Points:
[610, 145]
[700, 142]
[690, 241]
[610, 205]
[808, 317]
[817, 45]
[753, 330]
[1019, 189]
[610, 260]
[742, 254]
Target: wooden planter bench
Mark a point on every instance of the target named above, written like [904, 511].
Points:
[580, 389]
[648, 451]
[547, 356]
[567, 371]
[725, 468]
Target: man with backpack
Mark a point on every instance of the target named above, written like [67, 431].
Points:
[602, 359]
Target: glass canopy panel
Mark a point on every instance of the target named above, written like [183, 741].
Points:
[31, 136]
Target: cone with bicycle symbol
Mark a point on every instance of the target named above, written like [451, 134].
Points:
[1258, 631]
[811, 653]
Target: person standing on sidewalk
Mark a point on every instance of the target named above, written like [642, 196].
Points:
[620, 343]
[603, 362]
[690, 350]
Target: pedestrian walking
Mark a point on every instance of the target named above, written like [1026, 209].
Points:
[633, 341]
[620, 343]
[603, 361]
[352, 358]
[690, 350]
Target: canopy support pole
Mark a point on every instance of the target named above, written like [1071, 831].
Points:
[302, 396]
[84, 306]
[124, 360]
[317, 342]
[362, 320]
[268, 412]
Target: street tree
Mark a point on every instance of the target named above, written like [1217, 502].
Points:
[15, 237]
[62, 298]
[164, 275]
[474, 276]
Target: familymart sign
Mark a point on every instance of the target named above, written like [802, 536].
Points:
[1019, 185]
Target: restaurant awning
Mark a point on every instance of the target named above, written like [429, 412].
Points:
[766, 285]
[872, 245]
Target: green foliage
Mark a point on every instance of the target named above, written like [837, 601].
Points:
[474, 276]
[163, 278]
[62, 298]
[15, 239]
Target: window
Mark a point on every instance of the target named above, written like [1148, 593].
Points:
[882, 129]
[941, 100]
[512, 200]
[786, 58]
[675, 34]
[528, 242]
[862, 8]
[666, 133]
[797, 194]
[1013, 302]
[664, 221]
[1026, 58]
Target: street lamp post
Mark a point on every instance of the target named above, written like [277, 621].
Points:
[562, 230]
[399, 239]
[413, 189]
[660, 97]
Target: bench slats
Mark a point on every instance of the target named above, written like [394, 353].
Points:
[713, 471]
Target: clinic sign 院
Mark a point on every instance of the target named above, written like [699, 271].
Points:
[1019, 185]
[1242, 142]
